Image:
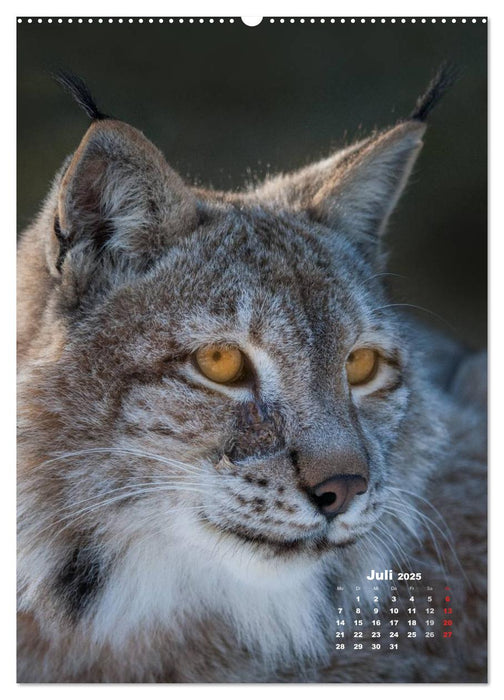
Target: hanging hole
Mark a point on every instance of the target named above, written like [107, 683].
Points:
[251, 21]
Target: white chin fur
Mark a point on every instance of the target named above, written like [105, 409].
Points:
[189, 571]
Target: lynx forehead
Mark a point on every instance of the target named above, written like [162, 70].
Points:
[219, 409]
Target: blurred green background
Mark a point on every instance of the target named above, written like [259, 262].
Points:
[227, 103]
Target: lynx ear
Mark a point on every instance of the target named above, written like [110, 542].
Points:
[355, 190]
[120, 196]
[362, 195]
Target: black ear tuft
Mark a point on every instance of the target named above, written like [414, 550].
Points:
[446, 76]
[80, 92]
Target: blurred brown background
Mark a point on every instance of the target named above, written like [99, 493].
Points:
[227, 103]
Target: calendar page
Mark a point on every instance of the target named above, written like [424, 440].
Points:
[398, 615]
[252, 371]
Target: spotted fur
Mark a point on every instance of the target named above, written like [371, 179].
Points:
[166, 527]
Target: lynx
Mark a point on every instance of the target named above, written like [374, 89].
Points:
[223, 417]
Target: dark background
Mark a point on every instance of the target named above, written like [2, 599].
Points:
[227, 103]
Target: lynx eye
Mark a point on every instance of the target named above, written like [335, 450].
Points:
[361, 366]
[220, 363]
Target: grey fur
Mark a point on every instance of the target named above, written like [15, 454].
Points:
[223, 569]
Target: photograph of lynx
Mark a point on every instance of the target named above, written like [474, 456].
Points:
[223, 414]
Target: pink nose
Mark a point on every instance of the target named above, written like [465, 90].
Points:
[334, 495]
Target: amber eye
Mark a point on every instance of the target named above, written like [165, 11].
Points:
[361, 366]
[219, 363]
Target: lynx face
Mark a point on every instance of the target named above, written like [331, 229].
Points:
[243, 457]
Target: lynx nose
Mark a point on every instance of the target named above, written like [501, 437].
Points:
[334, 495]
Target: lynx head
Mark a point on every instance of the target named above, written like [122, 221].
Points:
[209, 373]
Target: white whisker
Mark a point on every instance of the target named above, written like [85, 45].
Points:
[72, 517]
[419, 308]
[118, 451]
